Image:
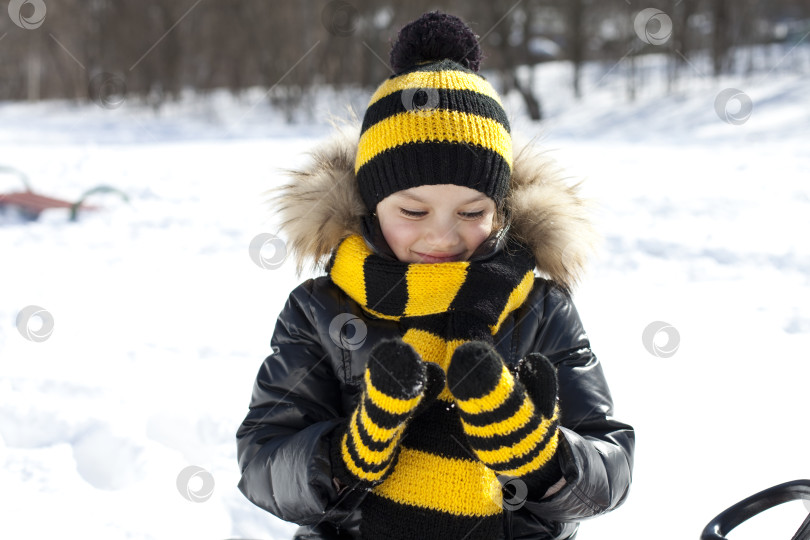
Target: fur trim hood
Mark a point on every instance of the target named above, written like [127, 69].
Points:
[320, 205]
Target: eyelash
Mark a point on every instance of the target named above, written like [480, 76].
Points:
[467, 215]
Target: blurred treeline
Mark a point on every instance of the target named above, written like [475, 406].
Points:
[157, 48]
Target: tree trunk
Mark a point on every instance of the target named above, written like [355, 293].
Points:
[720, 37]
[533, 106]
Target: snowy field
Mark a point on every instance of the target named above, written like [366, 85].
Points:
[161, 318]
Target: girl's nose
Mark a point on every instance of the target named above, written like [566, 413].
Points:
[442, 234]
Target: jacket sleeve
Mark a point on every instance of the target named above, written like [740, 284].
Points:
[596, 451]
[282, 444]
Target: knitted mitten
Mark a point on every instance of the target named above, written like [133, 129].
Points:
[397, 384]
[512, 428]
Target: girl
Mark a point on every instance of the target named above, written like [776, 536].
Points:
[430, 385]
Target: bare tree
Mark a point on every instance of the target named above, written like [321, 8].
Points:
[576, 41]
[158, 48]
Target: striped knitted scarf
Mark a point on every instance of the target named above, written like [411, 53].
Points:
[437, 488]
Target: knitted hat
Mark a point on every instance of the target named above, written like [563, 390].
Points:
[436, 120]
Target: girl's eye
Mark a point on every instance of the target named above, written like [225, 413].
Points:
[412, 213]
[472, 215]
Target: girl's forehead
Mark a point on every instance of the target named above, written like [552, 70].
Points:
[441, 193]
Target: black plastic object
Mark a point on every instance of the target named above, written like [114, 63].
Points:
[719, 527]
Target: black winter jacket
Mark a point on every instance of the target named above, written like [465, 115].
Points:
[309, 384]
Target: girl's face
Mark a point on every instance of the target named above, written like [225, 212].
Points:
[436, 223]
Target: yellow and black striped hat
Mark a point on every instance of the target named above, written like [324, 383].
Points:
[436, 121]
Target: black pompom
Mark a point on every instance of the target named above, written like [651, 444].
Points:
[435, 36]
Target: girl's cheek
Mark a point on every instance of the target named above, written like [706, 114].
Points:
[401, 235]
[480, 229]
[408, 235]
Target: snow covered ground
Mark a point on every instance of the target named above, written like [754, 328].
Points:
[161, 318]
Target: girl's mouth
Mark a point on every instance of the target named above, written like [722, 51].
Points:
[438, 258]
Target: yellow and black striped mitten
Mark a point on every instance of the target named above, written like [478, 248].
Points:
[397, 383]
[512, 424]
